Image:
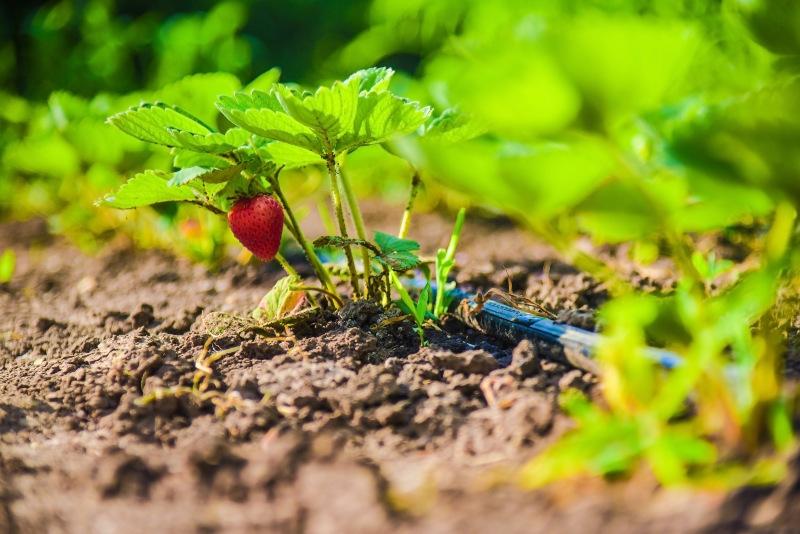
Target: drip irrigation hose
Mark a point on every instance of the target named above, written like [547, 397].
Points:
[511, 324]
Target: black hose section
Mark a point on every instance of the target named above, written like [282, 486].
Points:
[505, 322]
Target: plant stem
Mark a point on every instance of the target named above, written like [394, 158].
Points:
[207, 205]
[286, 265]
[293, 273]
[294, 228]
[358, 220]
[405, 223]
[443, 267]
[333, 172]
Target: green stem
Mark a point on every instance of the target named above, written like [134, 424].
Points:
[294, 274]
[405, 223]
[286, 265]
[333, 172]
[449, 256]
[294, 228]
[409, 302]
[358, 220]
[387, 296]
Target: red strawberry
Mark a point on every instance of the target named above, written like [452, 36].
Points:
[257, 223]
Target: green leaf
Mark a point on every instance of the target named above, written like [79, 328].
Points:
[519, 178]
[745, 302]
[390, 243]
[422, 303]
[280, 300]
[8, 263]
[48, 155]
[237, 187]
[610, 59]
[710, 267]
[381, 116]
[97, 142]
[452, 126]
[262, 114]
[289, 156]
[265, 81]
[329, 111]
[517, 90]
[213, 143]
[275, 125]
[241, 101]
[150, 122]
[373, 79]
[145, 189]
[335, 241]
[212, 176]
[397, 253]
[188, 158]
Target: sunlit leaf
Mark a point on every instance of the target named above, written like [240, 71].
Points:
[328, 111]
[147, 188]
[209, 175]
[373, 79]
[279, 301]
[514, 88]
[275, 125]
[381, 116]
[150, 122]
[290, 156]
[451, 126]
[214, 143]
[397, 253]
[265, 81]
[189, 158]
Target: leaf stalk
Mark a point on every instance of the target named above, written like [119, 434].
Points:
[333, 172]
[358, 221]
[405, 223]
[297, 233]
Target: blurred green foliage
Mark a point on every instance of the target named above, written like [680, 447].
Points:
[66, 66]
[88, 46]
[667, 125]
[671, 126]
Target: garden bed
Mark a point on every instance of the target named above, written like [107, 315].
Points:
[345, 424]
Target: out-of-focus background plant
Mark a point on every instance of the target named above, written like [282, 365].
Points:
[665, 128]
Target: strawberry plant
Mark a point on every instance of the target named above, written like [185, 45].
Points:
[236, 172]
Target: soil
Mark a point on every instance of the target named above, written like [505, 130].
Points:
[342, 423]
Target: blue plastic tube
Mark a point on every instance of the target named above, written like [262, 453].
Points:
[579, 345]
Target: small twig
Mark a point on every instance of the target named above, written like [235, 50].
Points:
[207, 205]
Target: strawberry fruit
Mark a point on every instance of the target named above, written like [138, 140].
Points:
[257, 223]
